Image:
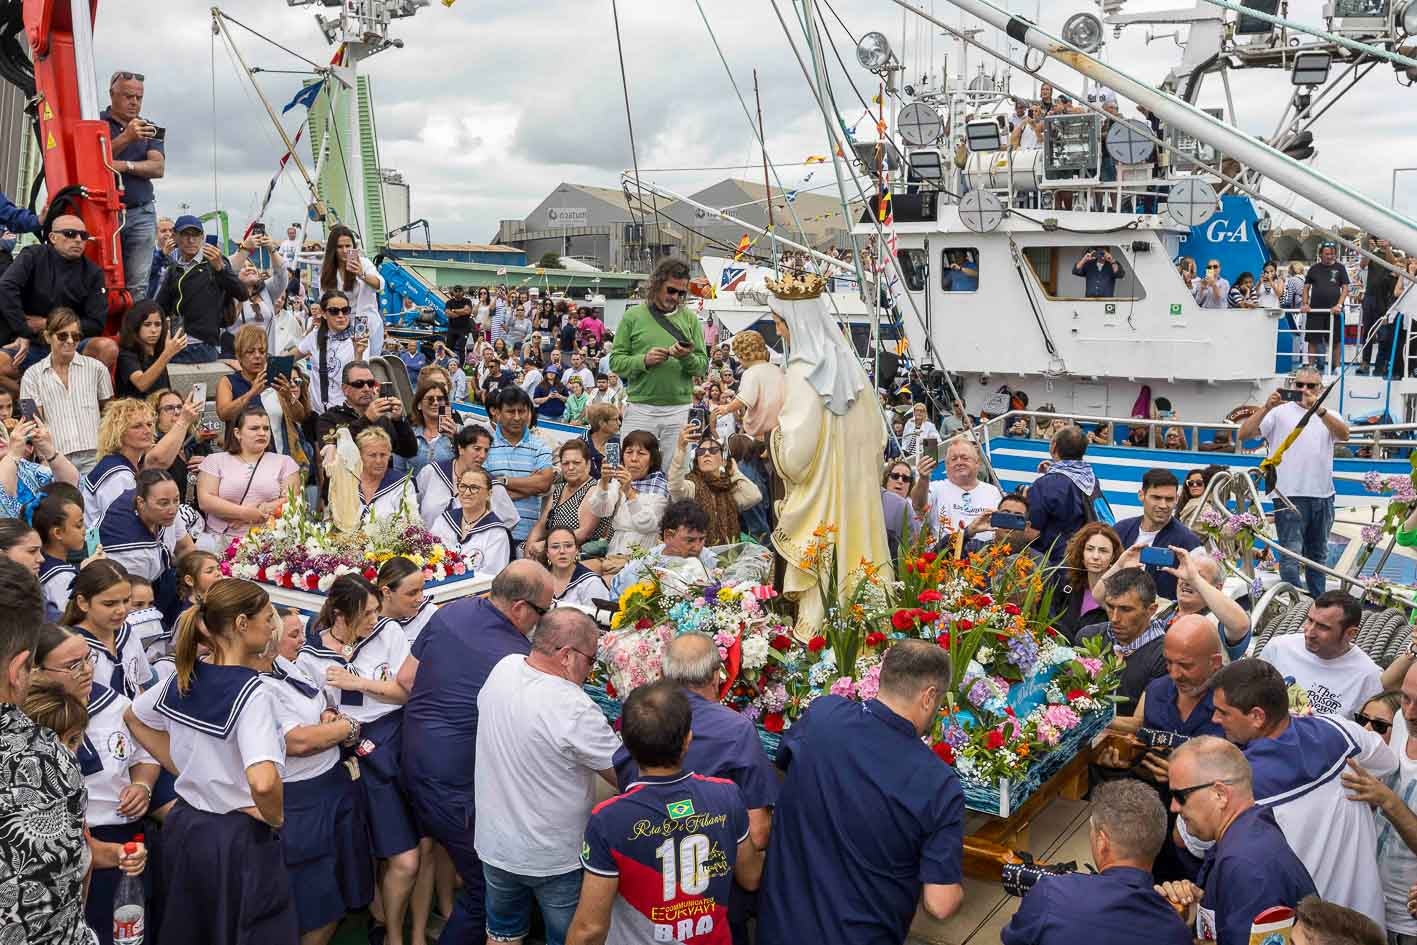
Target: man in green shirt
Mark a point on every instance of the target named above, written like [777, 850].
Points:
[659, 350]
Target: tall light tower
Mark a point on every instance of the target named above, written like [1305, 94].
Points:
[345, 142]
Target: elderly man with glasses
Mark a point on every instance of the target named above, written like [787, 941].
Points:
[1305, 477]
[659, 350]
[56, 274]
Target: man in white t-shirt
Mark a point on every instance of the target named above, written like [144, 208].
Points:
[578, 369]
[952, 504]
[917, 428]
[290, 246]
[1305, 475]
[541, 742]
[1323, 659]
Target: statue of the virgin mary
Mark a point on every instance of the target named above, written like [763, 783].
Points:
[827, 447]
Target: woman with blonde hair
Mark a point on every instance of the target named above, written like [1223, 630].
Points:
[382, 491]
[283, 398]
[127, 443]
[215, 725]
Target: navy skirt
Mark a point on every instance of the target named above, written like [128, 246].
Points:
[225, 881]
[391, 826]
[98, 909]
[325, 841]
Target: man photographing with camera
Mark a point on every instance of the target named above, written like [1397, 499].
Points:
[1101, 271]
[139, 155]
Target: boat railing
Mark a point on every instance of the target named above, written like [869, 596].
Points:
[1039, 424]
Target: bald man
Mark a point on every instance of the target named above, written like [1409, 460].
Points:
[50, 275]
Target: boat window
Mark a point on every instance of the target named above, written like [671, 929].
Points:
[915, 264]
[959, 269]
[1084, 272]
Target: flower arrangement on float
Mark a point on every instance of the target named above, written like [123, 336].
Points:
[1234, 533]
[1403, 490]
[295, 550]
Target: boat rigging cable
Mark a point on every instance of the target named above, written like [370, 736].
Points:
[630, 123]
[1081, 100]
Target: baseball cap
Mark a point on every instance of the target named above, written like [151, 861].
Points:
[187, 222]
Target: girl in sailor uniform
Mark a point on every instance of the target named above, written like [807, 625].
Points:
[382, 492]
[98, 610]
[401, 596]
[356, 655]
[215, 725]
[437, 482]
[571, 581]
[21, 544]
[60, 523]
[118, 774]
[140, 531]
[472, 529]
[145, 620]
[325, 839]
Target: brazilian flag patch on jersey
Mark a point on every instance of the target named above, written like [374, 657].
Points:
[678, 810]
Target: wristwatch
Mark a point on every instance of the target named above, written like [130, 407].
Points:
[499, 481]
[128, 166]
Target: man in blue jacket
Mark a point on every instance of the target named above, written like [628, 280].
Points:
[1157, 525]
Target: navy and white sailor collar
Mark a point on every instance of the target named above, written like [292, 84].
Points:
[315, 643]
[51, 566]
[391, 480]
[444, 469]
[110, 465]
[579, 576]
[298, 683]
[120, 640]
[124, 530]
[100, 698]
[214, 700]
[453, 516]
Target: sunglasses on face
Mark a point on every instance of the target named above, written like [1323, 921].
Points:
[73, 234]
[675, 293]
[336, 309]
[1378, 725]
[900, 477]
[126, 76]
[69, 336]
[1306, 385]
[361, 385]
[1211, 266]
[1184, 794]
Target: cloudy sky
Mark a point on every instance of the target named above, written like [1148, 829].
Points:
[491, 103]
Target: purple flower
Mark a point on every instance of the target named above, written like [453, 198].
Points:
[1023, 653]
[979, 693]
[1372, 534]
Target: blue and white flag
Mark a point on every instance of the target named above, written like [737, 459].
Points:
[306, 96]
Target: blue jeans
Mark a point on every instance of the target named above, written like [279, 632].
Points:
[197, 352]
[509, 898]
[139, 233]
[1305, 531]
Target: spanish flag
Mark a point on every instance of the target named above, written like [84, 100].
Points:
[745, 244]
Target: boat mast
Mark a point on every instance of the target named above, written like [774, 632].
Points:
[767, 183]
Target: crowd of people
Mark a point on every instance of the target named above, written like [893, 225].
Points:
[269, 773]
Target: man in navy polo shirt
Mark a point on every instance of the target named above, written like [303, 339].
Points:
[661, 859]
[868, 817]
[1251, 867]
[1119, 905]
[139, 155]
[1157, 526]
[451, 660]
[1057, 500]
[1100, 271]
[725, 745]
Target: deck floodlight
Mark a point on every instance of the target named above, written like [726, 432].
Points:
[983, 136]
[1084, 31]
[928, 164]
[1405, 18]
[874, 51]
[1311, 68]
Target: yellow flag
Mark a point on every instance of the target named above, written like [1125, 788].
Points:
[745, 244]
[815, 159]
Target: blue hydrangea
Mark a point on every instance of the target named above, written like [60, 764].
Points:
[1023, 653]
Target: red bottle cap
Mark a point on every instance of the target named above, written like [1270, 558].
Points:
[130, 848]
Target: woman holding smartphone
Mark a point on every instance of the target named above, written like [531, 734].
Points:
[282, 398]
[144, 351]
[354, 274]
[434, 425]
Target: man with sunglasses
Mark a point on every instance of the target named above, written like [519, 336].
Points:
[139, 154]
[201, 283]
[1305, 477]
[56, 274]
[450, 663]
[659, 350]
[1213, 290]
[1297, 763]
[1249, 865]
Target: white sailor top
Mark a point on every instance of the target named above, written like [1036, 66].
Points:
[437, 490]
[107, 752]
[55, 579]
[147, 626]
[128, 541]
[486, 549]
[111, 477]
[299, 701]
[584, 587]
[414, 625]
[164, 668]
[389, 497]
[224, 724]
[377, 656]
[126, 670]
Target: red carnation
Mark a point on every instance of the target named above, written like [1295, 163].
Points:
[610, 689]
[1076, 694]
[780, 643]
[928, 616]
[644, 623]
[929, 557]
[370, 574]
[773, 721]
[944, 639]
[944, 751]
[994, 740]
[929, 597]
[965, 624]
[984, 600]
[1012, 610]
[875, 638]
[312, 582]
[816, 644]
[902, 620]
[261, 575]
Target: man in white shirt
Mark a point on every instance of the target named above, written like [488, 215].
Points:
[1305, 477]
[290, 246]
[578, 369]
[954, 503]
[917, 428]
[1298, 762]
[1323, 659]
[541, 742]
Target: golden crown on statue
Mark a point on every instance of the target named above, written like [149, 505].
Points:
[795, 287]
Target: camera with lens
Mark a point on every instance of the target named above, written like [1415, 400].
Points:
[1157, 739]
[1019, 878]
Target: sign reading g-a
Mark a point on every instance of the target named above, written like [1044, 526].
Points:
[1230, 236]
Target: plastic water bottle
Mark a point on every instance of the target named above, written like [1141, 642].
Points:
[129, 906]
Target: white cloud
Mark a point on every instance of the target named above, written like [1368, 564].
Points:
[491, 103]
